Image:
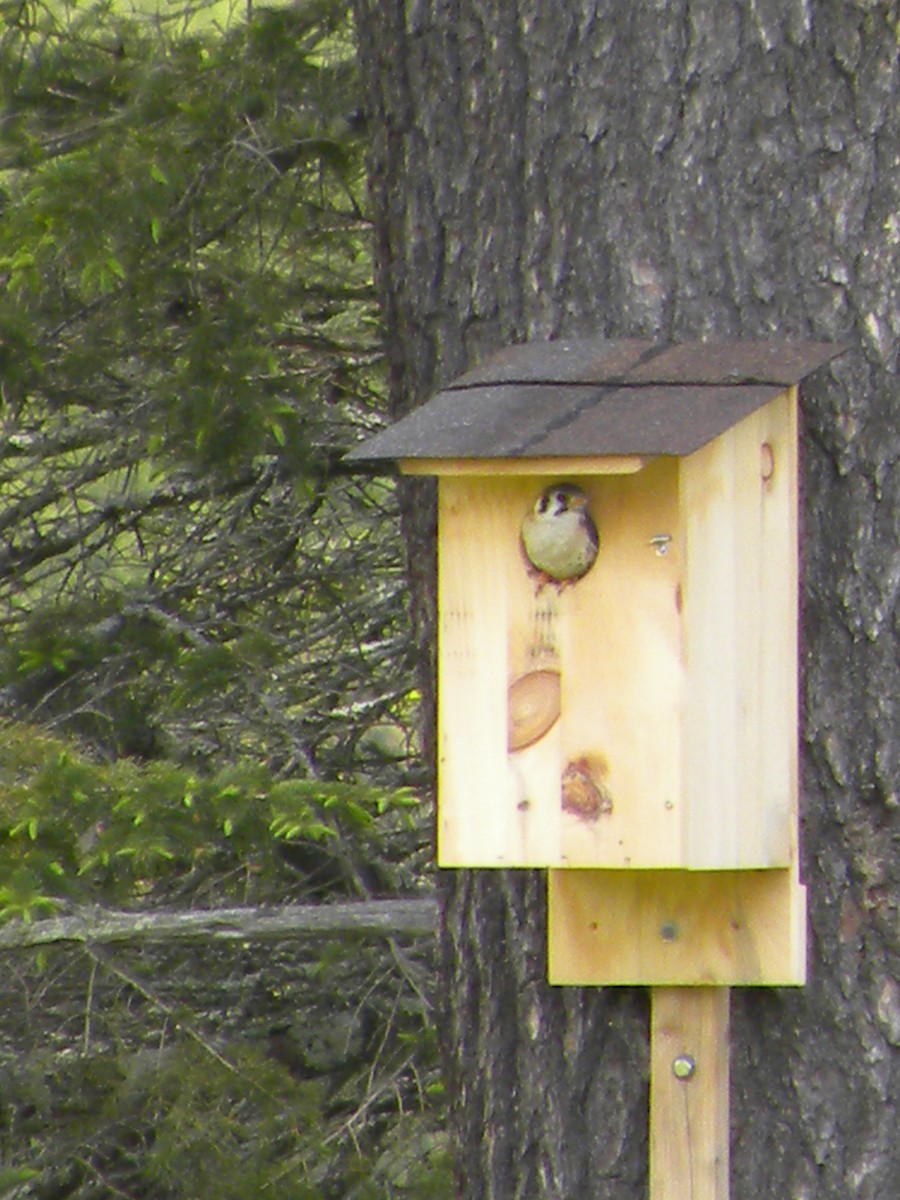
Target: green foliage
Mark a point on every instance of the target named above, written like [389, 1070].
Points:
[189, 342]
[205, 666]
[125, 833]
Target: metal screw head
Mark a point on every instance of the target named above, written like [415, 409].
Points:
[683, 1067]
[660, 542]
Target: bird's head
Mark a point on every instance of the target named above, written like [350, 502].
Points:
[559, 498]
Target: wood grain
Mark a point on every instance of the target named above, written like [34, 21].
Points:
[739, 515]
[691, 928]
[473, 777]
[622, 675]
[560, 467]
[689, 1142]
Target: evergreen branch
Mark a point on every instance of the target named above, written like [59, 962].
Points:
[111, 515]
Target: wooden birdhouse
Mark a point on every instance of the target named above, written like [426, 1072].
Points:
[631, 725]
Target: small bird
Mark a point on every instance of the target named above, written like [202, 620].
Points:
[559, 537]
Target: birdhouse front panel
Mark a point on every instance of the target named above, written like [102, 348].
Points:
[641, 713]
[545, 689]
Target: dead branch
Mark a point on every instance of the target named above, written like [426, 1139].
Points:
[102, 926]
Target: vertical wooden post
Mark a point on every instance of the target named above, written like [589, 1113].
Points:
[689, 1046]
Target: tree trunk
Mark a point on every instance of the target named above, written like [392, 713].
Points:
[684, 169]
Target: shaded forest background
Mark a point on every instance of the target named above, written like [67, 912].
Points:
[206, 684]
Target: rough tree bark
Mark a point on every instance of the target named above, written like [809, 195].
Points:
[676, 168]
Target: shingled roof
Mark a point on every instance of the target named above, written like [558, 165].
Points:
[596, 397]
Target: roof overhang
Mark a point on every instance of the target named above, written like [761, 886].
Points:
[574, 399]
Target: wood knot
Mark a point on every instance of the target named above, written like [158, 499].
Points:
[583, 791]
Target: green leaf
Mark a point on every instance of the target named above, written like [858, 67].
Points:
[11, 1177]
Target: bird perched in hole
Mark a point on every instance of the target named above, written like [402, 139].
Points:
[559, 537]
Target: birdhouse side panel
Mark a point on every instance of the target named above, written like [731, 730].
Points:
[780, 600]
[738, 505]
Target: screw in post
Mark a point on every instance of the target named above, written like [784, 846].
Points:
[683, 1067]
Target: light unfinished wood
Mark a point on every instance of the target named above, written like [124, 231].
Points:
[689, 1108]
[739, 527]
[611, 464]
[614, 638]
[534, 811]
[777, 767]
[473, 776]
[622, 675]
[691, 928]
[533, 645]
[495, 807]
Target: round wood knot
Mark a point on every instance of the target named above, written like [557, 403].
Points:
[533, 707]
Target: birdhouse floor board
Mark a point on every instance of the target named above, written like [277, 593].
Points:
[676, 928]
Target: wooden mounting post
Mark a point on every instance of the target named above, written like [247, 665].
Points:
[689, 1046]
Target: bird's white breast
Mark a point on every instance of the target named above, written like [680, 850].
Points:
[558, 544]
